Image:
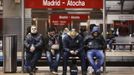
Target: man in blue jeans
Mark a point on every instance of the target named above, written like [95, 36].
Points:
[96, 45]
[53, 51]
[73, 45]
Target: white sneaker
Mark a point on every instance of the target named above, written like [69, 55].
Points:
[112, 50]
[56, 73]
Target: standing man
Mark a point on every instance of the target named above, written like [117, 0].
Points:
[96, 45]
[73, 45]
[111, 38]
[65, 31]
[53, 50]
[33, 45]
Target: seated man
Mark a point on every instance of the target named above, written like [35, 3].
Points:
[95, 44]
[53, 50]
[33, 44]
[72, 45]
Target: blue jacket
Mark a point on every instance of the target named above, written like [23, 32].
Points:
[36, 40]
[72, 44]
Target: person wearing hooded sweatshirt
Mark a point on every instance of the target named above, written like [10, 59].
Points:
[95, 46]
[73, 45]
[33, 45]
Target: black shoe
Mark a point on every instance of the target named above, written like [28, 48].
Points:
[98, 73]
[64, 73]
[29, 70]
[31, 73]
[35, 69]
[84, 73]
[93, 73]
[25, 70]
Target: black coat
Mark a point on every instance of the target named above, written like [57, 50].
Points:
[95, 43]
[49, 41]
[73, 44]
[36, 40]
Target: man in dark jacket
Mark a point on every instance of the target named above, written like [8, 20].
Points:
[73, 45]
[96, 44]
[33, 45]
[53, 50]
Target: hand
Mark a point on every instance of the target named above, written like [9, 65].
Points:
[52, 51]
[32, 48]
[76, 52]
[72, 52]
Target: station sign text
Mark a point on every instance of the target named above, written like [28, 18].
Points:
[63, 4]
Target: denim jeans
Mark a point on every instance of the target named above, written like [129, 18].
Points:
[81, 55]
[99, 56]
[109, 42]
[32, 59]
[53, 62]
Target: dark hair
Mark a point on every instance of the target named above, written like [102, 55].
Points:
[51, 29]
[28, 29]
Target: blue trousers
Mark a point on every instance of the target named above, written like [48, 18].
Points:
[99, 57]
[109, 42]
[81, 55]
[53, 62]
[32, 58]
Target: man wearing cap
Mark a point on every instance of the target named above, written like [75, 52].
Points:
[96, 45]
[73, 45]
[33, 45]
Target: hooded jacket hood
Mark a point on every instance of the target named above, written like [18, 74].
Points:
[72, 34]
[95, 29]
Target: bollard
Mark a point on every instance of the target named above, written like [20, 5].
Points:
[10, 53]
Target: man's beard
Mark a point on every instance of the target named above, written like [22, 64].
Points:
[34, 34]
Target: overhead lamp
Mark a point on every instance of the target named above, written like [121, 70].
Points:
[17, 1]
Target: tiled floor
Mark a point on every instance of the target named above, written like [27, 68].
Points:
[110, 71]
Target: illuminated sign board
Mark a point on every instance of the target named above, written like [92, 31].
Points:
[40, 4]
[65, 19]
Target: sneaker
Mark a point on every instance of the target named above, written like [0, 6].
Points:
[54, 72]
[112, 50]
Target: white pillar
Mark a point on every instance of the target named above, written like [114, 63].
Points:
[12, 20]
